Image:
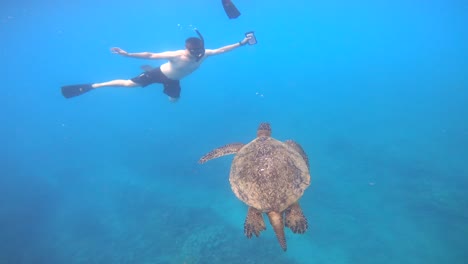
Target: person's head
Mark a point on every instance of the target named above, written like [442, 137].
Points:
[196, 46]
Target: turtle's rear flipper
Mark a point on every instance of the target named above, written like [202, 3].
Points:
[222, 151]
[254, 223]
[295, 219]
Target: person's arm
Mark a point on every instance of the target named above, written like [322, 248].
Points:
[226, 48]
[146, 55]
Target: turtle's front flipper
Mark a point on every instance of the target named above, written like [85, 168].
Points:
[254, 223]
[295, 219]
[299, 149]
[222, 151]
[276, 220]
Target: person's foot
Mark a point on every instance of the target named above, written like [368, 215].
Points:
[173, 100]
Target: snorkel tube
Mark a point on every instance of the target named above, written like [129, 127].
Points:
[202, 52]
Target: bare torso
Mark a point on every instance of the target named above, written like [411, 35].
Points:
[180, 66]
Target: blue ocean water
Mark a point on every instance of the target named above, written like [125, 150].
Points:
[376, 92]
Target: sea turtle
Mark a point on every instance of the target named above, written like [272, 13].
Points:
[269, 176]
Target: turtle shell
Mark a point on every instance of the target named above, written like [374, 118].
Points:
[269, 175]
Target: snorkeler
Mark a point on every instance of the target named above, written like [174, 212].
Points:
[180, 64]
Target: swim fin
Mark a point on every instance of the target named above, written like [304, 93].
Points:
[230, 9]
[75, 90]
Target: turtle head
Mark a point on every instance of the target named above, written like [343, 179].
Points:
[264, 130]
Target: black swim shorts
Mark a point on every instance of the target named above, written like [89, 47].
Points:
[171, 87]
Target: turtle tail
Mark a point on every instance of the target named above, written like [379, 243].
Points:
[276, 220]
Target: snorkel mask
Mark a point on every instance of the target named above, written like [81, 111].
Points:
[196, 46]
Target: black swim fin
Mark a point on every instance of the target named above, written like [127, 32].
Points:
[75, 90]
[230, 9]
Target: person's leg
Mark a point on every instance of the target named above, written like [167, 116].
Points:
[69, 91]
[116, 83]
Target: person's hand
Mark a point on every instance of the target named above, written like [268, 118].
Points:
[118, 51]
[245, 40]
